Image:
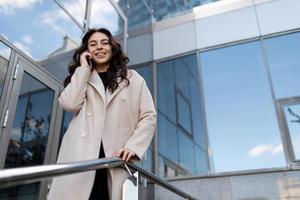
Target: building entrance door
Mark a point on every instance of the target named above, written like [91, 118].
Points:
[30, 120]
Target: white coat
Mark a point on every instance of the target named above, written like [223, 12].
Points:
[125, 118]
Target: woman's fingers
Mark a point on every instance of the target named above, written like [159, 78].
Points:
[124, 154]
[84, 57]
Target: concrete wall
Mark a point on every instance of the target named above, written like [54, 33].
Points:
[271, 185]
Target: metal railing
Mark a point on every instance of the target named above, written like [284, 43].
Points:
[25, 175]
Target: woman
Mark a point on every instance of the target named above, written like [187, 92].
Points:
[114, 115]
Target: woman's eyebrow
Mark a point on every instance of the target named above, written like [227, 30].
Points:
[96, 41]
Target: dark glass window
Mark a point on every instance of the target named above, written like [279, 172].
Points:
[180, 125]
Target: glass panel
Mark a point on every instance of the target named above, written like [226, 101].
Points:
[179, 110]
[167, 138]
[76, 8]
[284, 61]
[201, 161]
[41, 20]
[103, 14]
[240, 113]
[22, 192]
[167, 9]
[5, 52]
[136, 12]
[292, 114]
[184, 113]
[166, 92]
[186, 153]
[29, 135]
[146, 73]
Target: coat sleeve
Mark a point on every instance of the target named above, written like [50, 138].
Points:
[145, 128]
[73, 96]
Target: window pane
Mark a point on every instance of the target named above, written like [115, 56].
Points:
[166, 90]
[5, 52]
[284, 60]
[180, 125]
[44, 30]
[147, 74]
[184, 113]
[201, 161]
[167, 138]
[29, 135]
[166, 9]
[292, 114]
[137, 13]
[187, 155]
[241, 119]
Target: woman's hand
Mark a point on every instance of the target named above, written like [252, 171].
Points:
[125, 154]
[84, 58]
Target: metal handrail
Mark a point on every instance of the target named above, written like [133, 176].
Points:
[25, 175]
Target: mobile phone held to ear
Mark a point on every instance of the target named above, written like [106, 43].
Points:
[90, 61]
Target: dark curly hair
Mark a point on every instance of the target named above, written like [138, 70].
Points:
[117, 66]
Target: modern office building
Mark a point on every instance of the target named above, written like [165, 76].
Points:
[224, 75]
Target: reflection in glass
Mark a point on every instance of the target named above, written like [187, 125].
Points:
[140, 13]
[137, 13]
[167, 138]
[241, 119]
[29, 135]
[184, 113]
[201, 161]
[186, 152]
[284, 62]
[146, 73]
[180, 125]
[292, 114]
[166, 9]
[5, 52]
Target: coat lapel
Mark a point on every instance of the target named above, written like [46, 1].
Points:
[110, 96]
[97, 83]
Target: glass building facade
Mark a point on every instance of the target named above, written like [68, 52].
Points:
[231, 105]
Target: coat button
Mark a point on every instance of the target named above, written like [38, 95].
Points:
[82, 134]
[88, 114]
[123, 99]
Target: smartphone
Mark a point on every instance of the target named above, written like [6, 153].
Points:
[90, 61]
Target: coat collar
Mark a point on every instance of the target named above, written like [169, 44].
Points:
[97, 83]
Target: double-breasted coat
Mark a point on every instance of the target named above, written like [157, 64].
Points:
[125, 118]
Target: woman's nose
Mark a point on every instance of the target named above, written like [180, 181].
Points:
[99, 46]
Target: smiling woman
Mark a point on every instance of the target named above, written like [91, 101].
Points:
[114, 116]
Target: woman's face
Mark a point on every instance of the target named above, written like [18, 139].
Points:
[100, 48]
